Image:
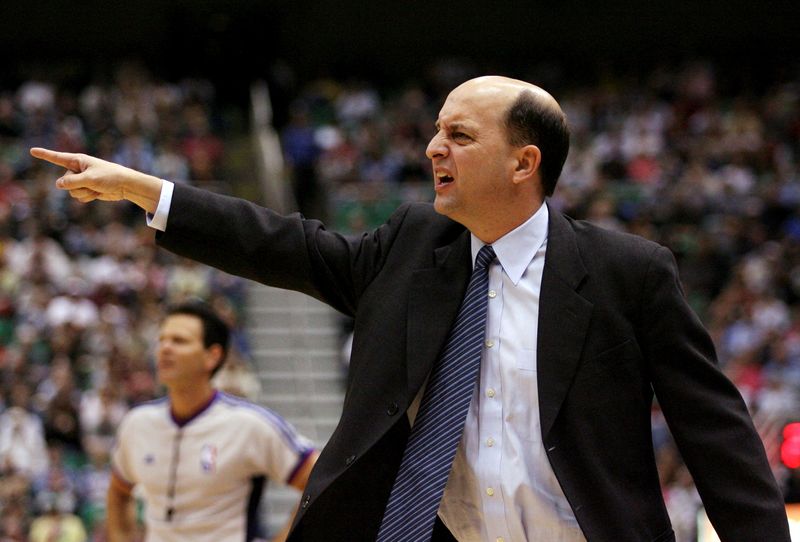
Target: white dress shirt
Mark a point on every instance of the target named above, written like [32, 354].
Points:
[502, 487]
[158, 220]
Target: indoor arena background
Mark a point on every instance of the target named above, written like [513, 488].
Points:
[685, 122]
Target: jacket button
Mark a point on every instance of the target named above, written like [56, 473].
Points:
[306, 500]
[392, 409]
[349, 460]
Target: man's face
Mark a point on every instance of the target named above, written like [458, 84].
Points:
[471, 157]
[181, 357]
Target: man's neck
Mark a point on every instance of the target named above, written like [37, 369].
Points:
[186, 402]
[505, 223]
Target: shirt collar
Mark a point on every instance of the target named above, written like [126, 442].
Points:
[516, 249]
[180, 422]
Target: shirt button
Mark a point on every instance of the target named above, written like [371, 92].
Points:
[492, 294]
[490, 442]
[489, 343]
[490, 491]
[490, 392]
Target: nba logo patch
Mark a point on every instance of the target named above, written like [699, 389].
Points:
[208, 458]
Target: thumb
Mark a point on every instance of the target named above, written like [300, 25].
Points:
[71, 181]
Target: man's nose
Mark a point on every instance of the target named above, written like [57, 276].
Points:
[436, 147]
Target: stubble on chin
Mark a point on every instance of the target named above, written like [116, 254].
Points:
[443, 206]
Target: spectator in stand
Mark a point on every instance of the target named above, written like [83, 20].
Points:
[23, 451]
[301, 150]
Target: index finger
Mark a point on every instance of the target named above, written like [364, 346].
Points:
[66, 159]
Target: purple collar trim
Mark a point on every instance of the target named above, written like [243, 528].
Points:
[182, 422]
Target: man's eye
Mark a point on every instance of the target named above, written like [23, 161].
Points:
[459, 135]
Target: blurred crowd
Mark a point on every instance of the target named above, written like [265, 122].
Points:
[680, 156]
[677, 156]
[83, 288]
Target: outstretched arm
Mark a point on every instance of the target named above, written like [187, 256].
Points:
[88, 178]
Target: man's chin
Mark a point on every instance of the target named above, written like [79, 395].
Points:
[445, 206]
[441, 205]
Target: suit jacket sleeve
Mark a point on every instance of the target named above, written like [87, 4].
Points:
[289, 252]
[706, 414]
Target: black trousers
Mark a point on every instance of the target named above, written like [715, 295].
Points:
[440, 532]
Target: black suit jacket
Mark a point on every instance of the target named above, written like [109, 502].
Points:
[613, 330]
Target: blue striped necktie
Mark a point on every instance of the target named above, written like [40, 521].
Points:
[428, 457]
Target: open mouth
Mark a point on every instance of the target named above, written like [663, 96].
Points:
[442, 180]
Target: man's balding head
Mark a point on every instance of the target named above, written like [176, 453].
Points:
[506, 86]
[531, 117]
[497, 152]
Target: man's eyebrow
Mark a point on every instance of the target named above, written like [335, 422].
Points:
[456, 125]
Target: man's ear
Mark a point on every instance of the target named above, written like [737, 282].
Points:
[529, 158]
[213, 357]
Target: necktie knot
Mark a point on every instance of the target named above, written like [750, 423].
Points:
[485, 256]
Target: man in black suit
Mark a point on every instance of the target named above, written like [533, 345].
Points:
[583, 327]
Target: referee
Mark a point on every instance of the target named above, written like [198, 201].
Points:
[199, 456]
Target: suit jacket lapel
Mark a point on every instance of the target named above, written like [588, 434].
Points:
[563, 319]
[436, 294]
[435, 297]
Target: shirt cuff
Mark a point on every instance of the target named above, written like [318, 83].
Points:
[158, 220]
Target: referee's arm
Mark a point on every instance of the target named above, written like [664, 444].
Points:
[120, 510]
[298, 481]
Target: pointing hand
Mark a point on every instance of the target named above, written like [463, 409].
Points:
[88, 179]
